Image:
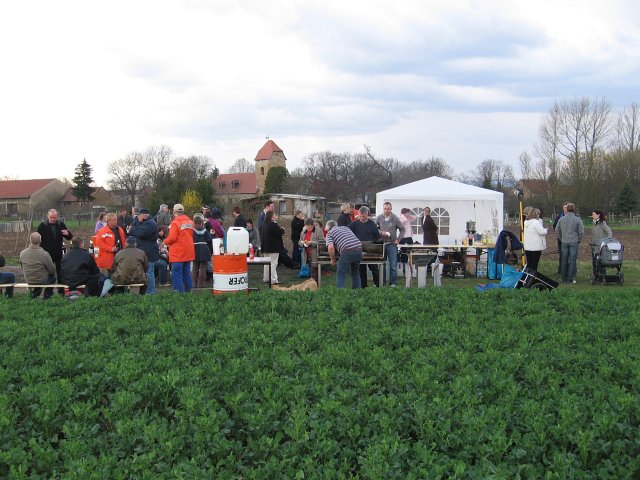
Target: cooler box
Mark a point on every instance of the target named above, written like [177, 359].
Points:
[237, 241]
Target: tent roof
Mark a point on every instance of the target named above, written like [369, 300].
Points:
[437, 187]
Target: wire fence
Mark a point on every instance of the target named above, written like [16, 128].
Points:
[15, 227]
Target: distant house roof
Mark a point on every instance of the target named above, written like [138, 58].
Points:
[230, 183]
[70, 197]
[267, 150]
[534, 186]
[22, 188]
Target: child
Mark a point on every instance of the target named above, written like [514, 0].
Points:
[254, 236]
[204, 250]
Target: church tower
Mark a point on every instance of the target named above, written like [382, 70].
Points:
[270, 155]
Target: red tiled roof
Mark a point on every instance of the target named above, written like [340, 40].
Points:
[267, 150]
[246, 183]
[22, 188]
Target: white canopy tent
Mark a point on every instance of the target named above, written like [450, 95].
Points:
[452, 205]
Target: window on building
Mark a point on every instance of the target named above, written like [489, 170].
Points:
[282, 208]
[442, 219]
[235, 183]
[416, 227]
[261, 170]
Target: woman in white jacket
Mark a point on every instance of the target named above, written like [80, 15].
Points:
[534, 238]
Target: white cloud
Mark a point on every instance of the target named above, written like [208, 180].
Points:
[413, 78]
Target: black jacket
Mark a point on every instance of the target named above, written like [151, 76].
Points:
[429, 231]
[296, 230]
[240, 221]
[78, 266]
[501, 246]
[344, 220]
[51, 234]
[202, 245]
[147, 234]
[271, 237]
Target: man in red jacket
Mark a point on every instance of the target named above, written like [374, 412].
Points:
[110, 239]
[181, 249]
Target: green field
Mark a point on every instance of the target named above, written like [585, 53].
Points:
[385, 383]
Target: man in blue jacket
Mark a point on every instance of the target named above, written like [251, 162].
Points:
[366, 230]
[145, 229]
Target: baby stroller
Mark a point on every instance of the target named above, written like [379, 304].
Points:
[610, 256]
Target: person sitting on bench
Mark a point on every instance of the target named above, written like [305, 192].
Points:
[37, 267]
[78, 267]
[7, 277]
[129, 267]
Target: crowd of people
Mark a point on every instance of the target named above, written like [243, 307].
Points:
[145, 249]
[569, 233]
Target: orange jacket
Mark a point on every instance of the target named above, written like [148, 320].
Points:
[180, 240]
[105, 241]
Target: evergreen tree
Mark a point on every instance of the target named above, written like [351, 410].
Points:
[82, 182]
[627, 199]
[277, 180]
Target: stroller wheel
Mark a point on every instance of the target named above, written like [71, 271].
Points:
[592, 278]
[620, 279]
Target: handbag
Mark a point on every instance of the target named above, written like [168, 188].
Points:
[305, 271]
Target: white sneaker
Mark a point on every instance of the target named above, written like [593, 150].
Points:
[573, 281]
[393, 285]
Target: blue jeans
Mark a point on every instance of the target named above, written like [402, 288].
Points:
[161, 268]
[391, 255]
[48, 292]
[349, 261]
[568, 257]
[8, 277]
[151, 275]
[181, 276]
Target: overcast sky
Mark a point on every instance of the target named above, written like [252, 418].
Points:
[460, 80]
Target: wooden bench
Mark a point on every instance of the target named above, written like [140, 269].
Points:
[61, 285]
[372, 254]
[128, 287]
[36, 285]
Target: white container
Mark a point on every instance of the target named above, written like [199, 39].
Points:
[237, 241]
[217, 244]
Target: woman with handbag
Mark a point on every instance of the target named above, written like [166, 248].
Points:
[309, 239]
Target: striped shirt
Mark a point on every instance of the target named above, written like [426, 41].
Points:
[343, 239]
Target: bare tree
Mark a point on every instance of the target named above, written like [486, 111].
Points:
[550, 161]
[526, 166]
[242, 165]
[126, 175]
[379, 167]
[584, 129]
[626, 148]
[419, 169]
[329, 174]
[156, 161]
[494, 175]
[628, 128]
